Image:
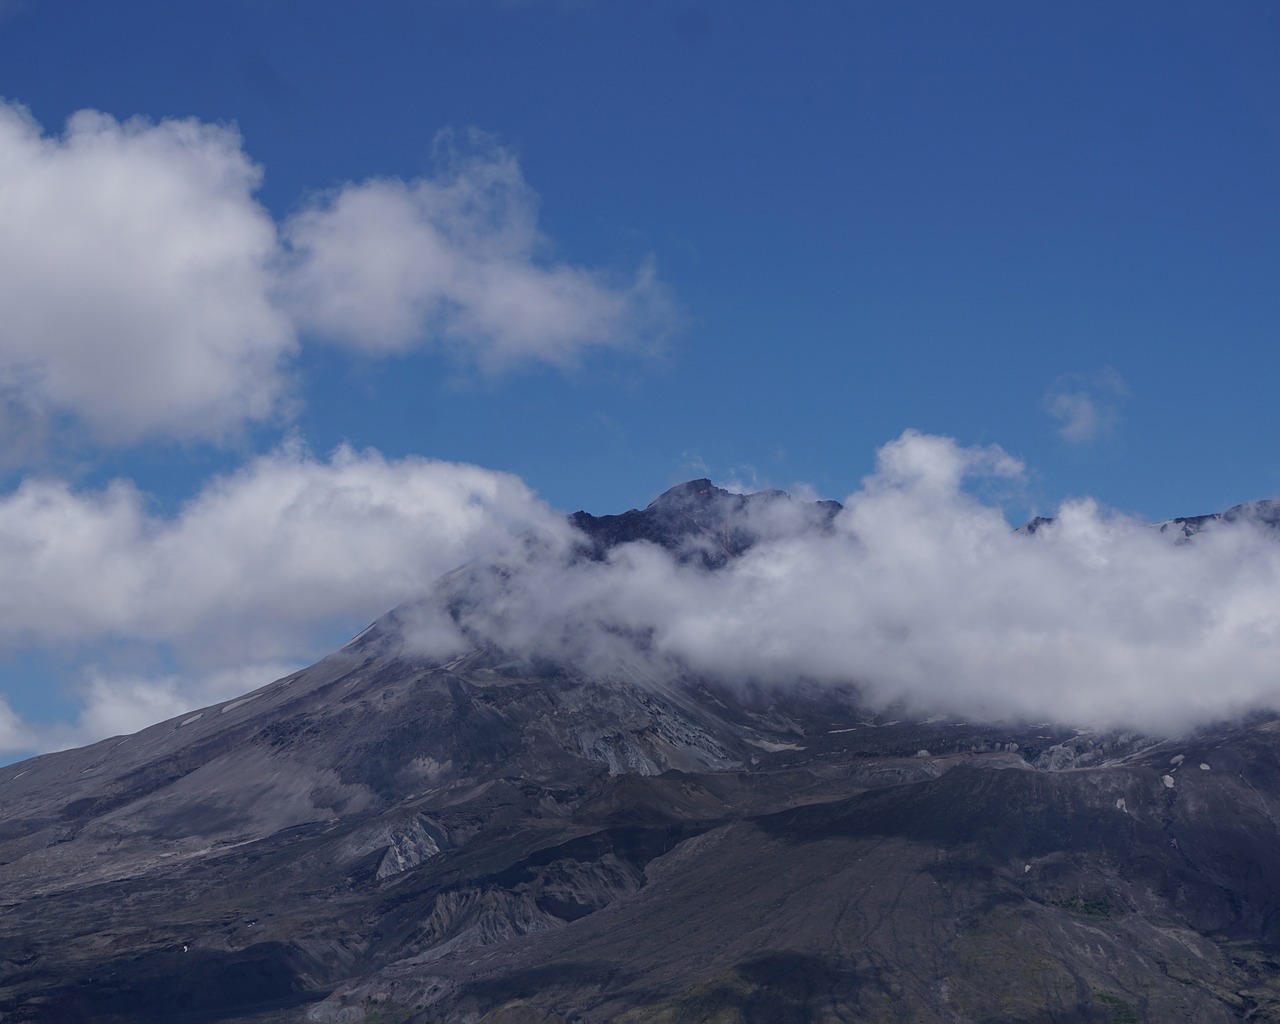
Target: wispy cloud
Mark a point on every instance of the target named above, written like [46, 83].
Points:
[1086, 406]
[385, 265]
[114, 703]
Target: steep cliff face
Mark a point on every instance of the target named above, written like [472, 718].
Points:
[493, 836]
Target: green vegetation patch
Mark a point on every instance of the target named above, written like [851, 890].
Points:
[1121, 1012]
[1097, 907]
[777, 987]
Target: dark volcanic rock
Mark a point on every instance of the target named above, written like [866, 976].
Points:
[1262, 513]
[386, 838]
[699, 520]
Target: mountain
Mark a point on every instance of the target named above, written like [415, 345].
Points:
[501, 836]
[1264, 513]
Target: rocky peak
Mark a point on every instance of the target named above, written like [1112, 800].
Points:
[700, 521]
[690, 494]
[1262, 513]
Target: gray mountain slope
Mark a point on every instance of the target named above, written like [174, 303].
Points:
[382, 837]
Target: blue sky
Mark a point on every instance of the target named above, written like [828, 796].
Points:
[754, 242]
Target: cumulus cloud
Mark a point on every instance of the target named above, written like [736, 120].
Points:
[135, 277]
[1086, 406]
[147, 293]
[256, 572]
[255, 562]
[387, 264]
[922, 593]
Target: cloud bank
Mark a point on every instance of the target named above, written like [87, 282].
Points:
[257, 560]
[148, 294]
[254, 574]
[922, 593]
[919, 592]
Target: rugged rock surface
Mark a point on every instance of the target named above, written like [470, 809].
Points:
[386, 838]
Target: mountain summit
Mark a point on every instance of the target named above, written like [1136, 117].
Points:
[699, 520]
[489, 834]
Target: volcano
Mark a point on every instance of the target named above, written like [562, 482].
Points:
[498, 835]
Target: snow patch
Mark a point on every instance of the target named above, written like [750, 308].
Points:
[772, 747]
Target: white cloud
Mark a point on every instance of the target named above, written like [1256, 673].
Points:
[16, 734]
[919, 592]
[119, 703]
[135, 277]
[255, 562]
[925, 594]
[146, 293]
[259, 569]
[1086, 406]
[386, 264]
